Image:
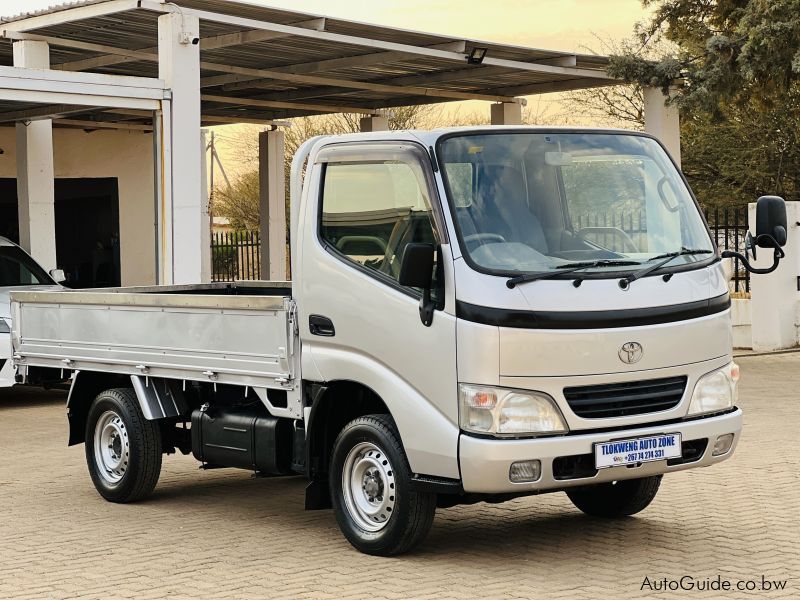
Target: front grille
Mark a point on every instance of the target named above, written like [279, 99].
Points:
[625, 399]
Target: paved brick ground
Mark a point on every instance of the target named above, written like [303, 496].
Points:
[223, 534]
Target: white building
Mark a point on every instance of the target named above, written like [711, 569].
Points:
[102, 104]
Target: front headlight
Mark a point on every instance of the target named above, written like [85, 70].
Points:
[5, 326]
[503, 411]
[715, 391]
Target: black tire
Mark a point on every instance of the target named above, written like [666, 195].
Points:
[139, 447]
[412, 512]
[616, 499]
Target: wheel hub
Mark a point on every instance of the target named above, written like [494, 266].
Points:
[373, 485]
[368, 485]
[111, 447]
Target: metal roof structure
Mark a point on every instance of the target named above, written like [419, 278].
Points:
[259, 63]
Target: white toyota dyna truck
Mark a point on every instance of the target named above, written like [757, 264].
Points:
[474, 315]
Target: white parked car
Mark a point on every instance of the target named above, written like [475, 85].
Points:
[18, 271]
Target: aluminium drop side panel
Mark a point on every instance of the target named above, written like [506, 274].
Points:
[238, 340]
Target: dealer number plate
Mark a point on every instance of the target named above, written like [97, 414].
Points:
[637, 450]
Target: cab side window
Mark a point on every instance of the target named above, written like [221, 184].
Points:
[372, 210]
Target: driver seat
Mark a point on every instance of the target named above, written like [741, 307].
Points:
[501, 208]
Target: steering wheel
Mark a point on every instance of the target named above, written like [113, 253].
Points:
[627, 241]
[484, 238]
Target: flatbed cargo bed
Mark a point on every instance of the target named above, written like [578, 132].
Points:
[226, 333]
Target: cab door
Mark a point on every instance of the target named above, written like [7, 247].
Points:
[357, 322]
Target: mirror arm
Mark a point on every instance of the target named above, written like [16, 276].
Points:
[426, 307]
[779, 254]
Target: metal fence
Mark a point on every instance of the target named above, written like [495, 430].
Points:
[617, 231]
[729, 227]
[235, 255]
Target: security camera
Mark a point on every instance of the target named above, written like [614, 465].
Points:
[195, 41]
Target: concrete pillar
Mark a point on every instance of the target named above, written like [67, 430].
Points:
[374, 123]
[205, 244]
[506, 113]
[774, 304]
[35, 176]
[272, 193]
[663, 121]
[179, 67]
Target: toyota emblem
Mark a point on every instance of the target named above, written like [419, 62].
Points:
[631, 352]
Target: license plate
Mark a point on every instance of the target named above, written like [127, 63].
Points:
[637, 450]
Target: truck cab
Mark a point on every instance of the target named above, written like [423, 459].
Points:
[550, 329]
[475, 314]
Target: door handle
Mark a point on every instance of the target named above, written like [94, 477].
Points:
[320, 325]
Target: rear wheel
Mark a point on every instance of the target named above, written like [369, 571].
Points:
[123, 449]
[617, 498]
[370, 485]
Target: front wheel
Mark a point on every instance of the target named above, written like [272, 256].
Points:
[616, 499]
[123, 449]
[370, 484]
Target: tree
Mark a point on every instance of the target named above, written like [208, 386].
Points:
[728, 51]
[732, 66]
[616, 105]
[240, 202]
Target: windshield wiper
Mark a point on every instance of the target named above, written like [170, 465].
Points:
[568, 268]
[663, 260]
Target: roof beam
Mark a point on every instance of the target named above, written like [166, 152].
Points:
[219, 120]
[285, 105]
[255, 35]
[355, 85]
[547, 87]
[70, 14]
[385, 45]
[522, 90]
[569, 60]
[426, 79]
[331, 64]
[49, 111]
[88, 124]
[364, 60]
[117, 56]
[149, 54]
[410, 80]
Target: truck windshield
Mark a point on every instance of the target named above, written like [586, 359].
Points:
[17, 268]
[535, 202]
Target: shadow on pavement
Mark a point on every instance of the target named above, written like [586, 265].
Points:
[29, 397]
[522, 531]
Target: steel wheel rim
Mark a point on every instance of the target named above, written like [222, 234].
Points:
[111, 447]
[368, 486]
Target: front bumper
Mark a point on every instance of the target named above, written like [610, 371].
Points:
[485, 462]
[6, 364]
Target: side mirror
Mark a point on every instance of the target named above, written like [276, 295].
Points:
[770, 221]
[416, 270]
[770, 233]
[58, 275]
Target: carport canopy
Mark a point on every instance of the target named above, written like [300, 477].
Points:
[211, 62]
[260, 64]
